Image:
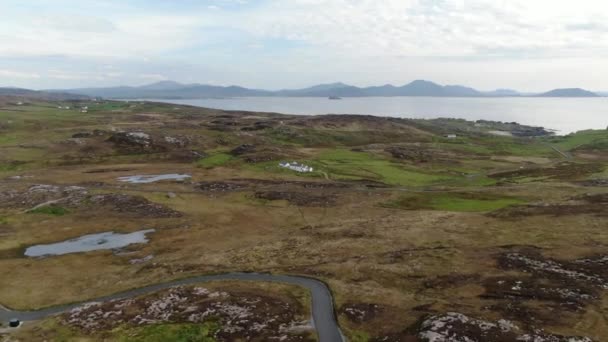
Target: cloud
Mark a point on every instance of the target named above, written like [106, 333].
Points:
[365, 41]
[18, 74]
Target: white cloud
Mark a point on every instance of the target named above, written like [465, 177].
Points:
[477, 42]
[435, 28]
[18, 74]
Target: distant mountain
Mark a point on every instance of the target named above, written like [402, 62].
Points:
[166, 85]
[602, 93]
[502, 92]
[169, 90]
[568, 92]
[175, 90]
[28, 94]
[415, 88]
[322, 90]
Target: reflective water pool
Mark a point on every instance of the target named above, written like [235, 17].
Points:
[91, 242]
[153, 178]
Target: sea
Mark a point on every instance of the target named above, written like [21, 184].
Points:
[563, 115]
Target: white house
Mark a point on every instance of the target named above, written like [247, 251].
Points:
[295, 166]
[451, 136]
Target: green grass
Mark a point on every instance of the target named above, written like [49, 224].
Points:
[50, 210]
[495, 145]
[311, 137]
[346, 164]
[172, 332]
[214, 160]
[462, 202]
[359, 336]
[589, 139]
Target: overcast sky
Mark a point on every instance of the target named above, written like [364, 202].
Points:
[529, 45]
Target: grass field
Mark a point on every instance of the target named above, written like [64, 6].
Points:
[345, 164]
[583, 139]
[214, 160]
[462, 202]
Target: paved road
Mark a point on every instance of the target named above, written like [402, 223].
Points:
[323, 315]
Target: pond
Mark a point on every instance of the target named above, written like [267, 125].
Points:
[87, 243]
[142, 179]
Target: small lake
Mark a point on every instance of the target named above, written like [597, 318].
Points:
[87, 243]
[565, 115]
[142, 179]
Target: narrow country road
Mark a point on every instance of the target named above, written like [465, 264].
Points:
[324, 319]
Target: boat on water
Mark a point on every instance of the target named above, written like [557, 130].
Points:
[335, 98]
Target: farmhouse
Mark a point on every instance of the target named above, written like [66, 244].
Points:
[295, 166]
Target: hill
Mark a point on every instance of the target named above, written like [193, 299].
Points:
[175, 90]
[27, 94]
[568, 92]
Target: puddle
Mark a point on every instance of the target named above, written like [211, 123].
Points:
[140, 179]
[91, 242]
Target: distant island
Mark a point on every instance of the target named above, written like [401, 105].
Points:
[175, 90]
[569, 92]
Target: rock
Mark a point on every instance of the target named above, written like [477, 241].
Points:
[82, 135]
[171, 195]
[186, 156]
[243, 149]
[96, 132]
[412, 154]
[140, 139]
[454, 326]
[177, 141]
[302, 199]
[360, 312]
[141, 260]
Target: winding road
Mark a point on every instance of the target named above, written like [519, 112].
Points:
[323, 315]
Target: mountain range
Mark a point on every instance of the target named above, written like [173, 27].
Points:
[28, 94]
[175, 90]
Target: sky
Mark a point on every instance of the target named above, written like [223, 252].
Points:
[528, 45]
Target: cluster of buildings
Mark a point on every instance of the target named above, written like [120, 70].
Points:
[295, 166]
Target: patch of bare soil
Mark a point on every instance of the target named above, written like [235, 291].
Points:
[561, 285]
[586, 204]
[256, 154]
[39, 194]
[260, 125]
[105, 170]
[238, 121]
[409, 153]
[250, 183]
[457, 327]
[585, 273]
[561, 171]
[222, 186]
[142, 142]
[94, 133]
[186, 156]
[567, 295]
[245, 183]
[450, 280]
[77, 197]
[360, 312]
[595, 182]
[136, 205]
[241, 316]
[243, 149]
[302, 199]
